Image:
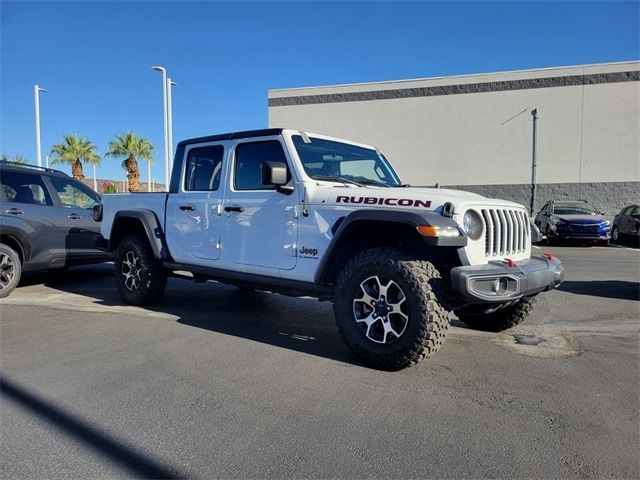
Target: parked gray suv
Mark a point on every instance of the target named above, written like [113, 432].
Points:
[45, 222]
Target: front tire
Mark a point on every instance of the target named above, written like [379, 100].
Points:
[499, 320]
[10, 270]
[140, 278]
[389, 308]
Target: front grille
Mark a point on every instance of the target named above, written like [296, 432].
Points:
[585, 229]
[506, 232]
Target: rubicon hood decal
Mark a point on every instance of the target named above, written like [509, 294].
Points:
[402, 202]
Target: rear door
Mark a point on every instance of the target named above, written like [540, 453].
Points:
[29, 208]
[194, 213]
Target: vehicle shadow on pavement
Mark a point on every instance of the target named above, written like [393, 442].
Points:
[122, 454]
[296, 323]
[300, 324]
[603, 288]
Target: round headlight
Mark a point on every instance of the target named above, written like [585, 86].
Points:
[472, 224]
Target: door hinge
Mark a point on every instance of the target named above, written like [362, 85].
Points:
[291, 250]
[295, 211]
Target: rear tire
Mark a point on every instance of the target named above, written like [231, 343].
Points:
[10, 270]
[389, 308]
[140, 278]
[500, 320]
[615, 234]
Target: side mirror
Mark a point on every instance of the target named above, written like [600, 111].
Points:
[276, 173]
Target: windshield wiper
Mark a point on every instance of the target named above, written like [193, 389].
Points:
[336, 178]
[370, 181]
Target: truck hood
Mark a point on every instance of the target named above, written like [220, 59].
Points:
[399, 197]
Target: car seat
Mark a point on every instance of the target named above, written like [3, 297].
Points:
[24, 194]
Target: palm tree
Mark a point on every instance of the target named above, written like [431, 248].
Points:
[75, 150]
[131, 147]
[17, 158]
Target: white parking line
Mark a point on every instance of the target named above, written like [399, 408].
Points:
[536, 247]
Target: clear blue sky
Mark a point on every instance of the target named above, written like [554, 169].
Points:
[94, 58]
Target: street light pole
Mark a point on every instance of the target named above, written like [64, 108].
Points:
[95, 181]
[149, 176]
[36, 100]
[170, 84]
[166, 126]
[534, 165]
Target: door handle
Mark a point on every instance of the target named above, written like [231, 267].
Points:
[234, 208]
[185, 208]
[14, 211]
[74, 216]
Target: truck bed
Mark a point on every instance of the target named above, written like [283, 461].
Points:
[113, 203]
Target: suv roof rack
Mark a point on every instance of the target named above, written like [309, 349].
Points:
[8, 163]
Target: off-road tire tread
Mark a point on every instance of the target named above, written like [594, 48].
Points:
[154, 277]
[424, 281]
[501, 320]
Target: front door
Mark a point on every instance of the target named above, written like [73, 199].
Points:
[74, 218]
[194, 213]
[260, 225]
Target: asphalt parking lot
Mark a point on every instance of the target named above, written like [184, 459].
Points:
[216, 382]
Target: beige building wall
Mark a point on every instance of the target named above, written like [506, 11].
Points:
[477, 129]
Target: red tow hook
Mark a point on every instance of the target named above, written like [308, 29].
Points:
[511, 263]
[549, 257]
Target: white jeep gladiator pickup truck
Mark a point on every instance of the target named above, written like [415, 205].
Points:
[303, 214]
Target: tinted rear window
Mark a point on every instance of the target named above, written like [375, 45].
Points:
[204, 168]
[27, 188]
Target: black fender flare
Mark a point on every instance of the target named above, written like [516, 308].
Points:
[413, 219]
[152, 228]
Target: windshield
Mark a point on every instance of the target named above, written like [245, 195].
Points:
[574, 209]
[342, 162]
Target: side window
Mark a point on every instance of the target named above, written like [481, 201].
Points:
[204, 168]
[74, 195]
[248, 164]
[635, 211]
[25, 188]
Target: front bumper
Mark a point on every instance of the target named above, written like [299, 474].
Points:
[497, 282]
[579, 232]
[576, 236]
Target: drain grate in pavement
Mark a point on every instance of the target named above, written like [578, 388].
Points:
[531, 340]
